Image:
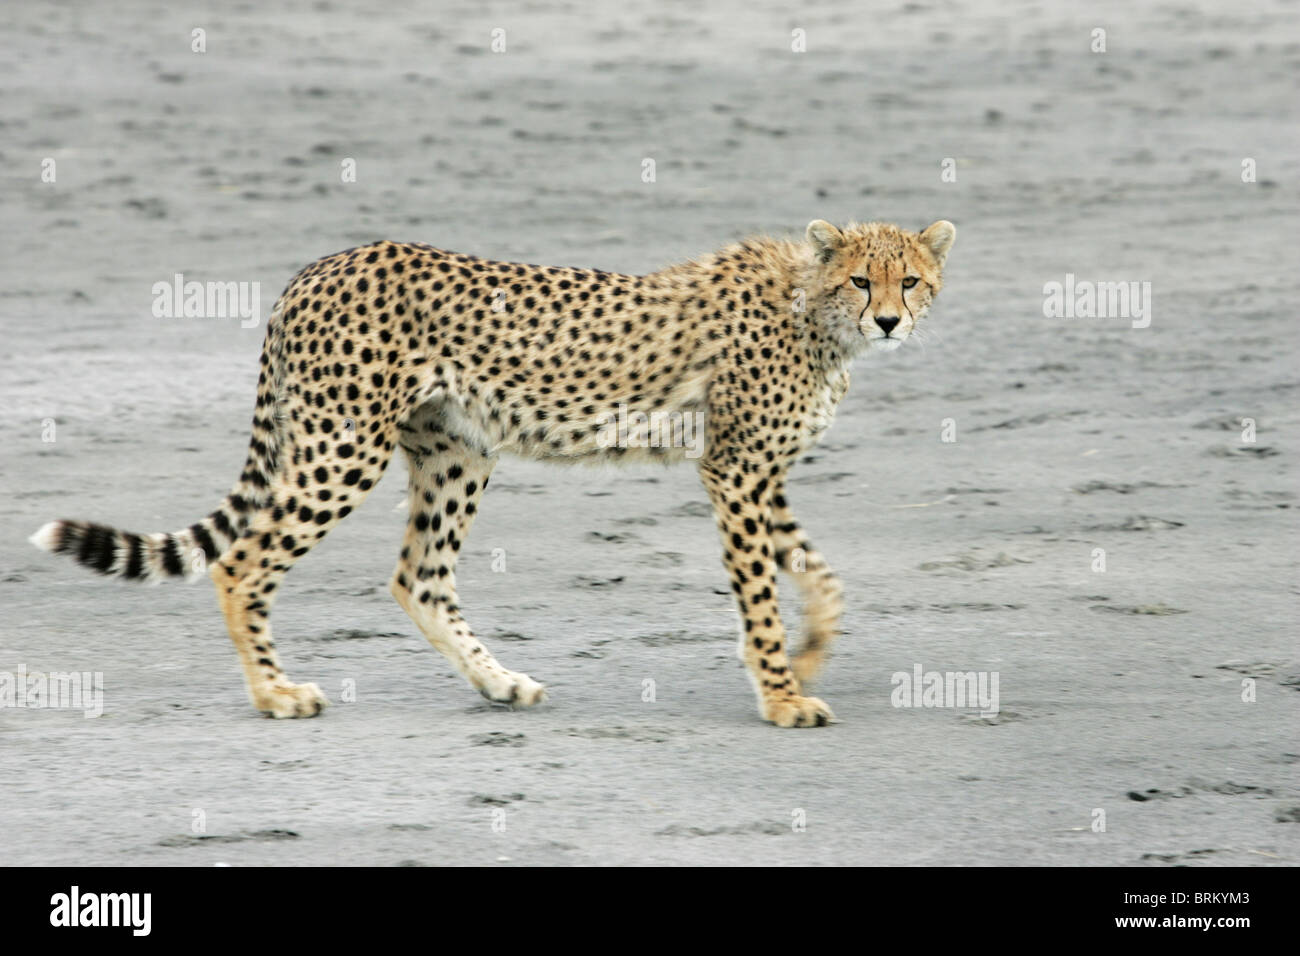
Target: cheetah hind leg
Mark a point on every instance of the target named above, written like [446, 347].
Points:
[447, 478]
[248, 576]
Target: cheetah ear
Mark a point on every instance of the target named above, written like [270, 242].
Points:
[938, 239]
[825, 239]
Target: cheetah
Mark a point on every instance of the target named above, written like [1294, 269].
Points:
[458, 359]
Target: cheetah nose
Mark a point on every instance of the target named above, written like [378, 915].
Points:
[887, 322]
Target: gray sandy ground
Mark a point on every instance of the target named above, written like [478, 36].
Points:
[1072, 435]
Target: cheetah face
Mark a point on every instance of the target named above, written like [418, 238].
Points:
[876, 280]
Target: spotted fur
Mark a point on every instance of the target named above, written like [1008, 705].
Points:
[458, 359]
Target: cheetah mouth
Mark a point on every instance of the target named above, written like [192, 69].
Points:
[886, 343]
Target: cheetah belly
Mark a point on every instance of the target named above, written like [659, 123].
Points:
[669, 429]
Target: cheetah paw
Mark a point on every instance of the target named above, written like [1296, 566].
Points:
[797, 712]
[290, 700]
[516, 690]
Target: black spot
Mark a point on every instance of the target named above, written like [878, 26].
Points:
[204, 541]
[172, 558]
[97, 548]
[135, 561]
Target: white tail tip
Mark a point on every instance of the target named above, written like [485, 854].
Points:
[47, 538]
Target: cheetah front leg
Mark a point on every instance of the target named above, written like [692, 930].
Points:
[823, 595]
[447, 478]
[742, 505]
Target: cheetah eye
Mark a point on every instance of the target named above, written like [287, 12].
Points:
[861, 282]
[909, 282]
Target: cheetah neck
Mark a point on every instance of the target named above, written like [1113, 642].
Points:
[763, 279]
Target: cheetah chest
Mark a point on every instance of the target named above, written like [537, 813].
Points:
[826, 399]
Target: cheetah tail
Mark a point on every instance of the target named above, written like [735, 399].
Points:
[188, 552]
[153, 557]
[148, 557]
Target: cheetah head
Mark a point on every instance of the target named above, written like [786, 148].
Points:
[874, 282]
